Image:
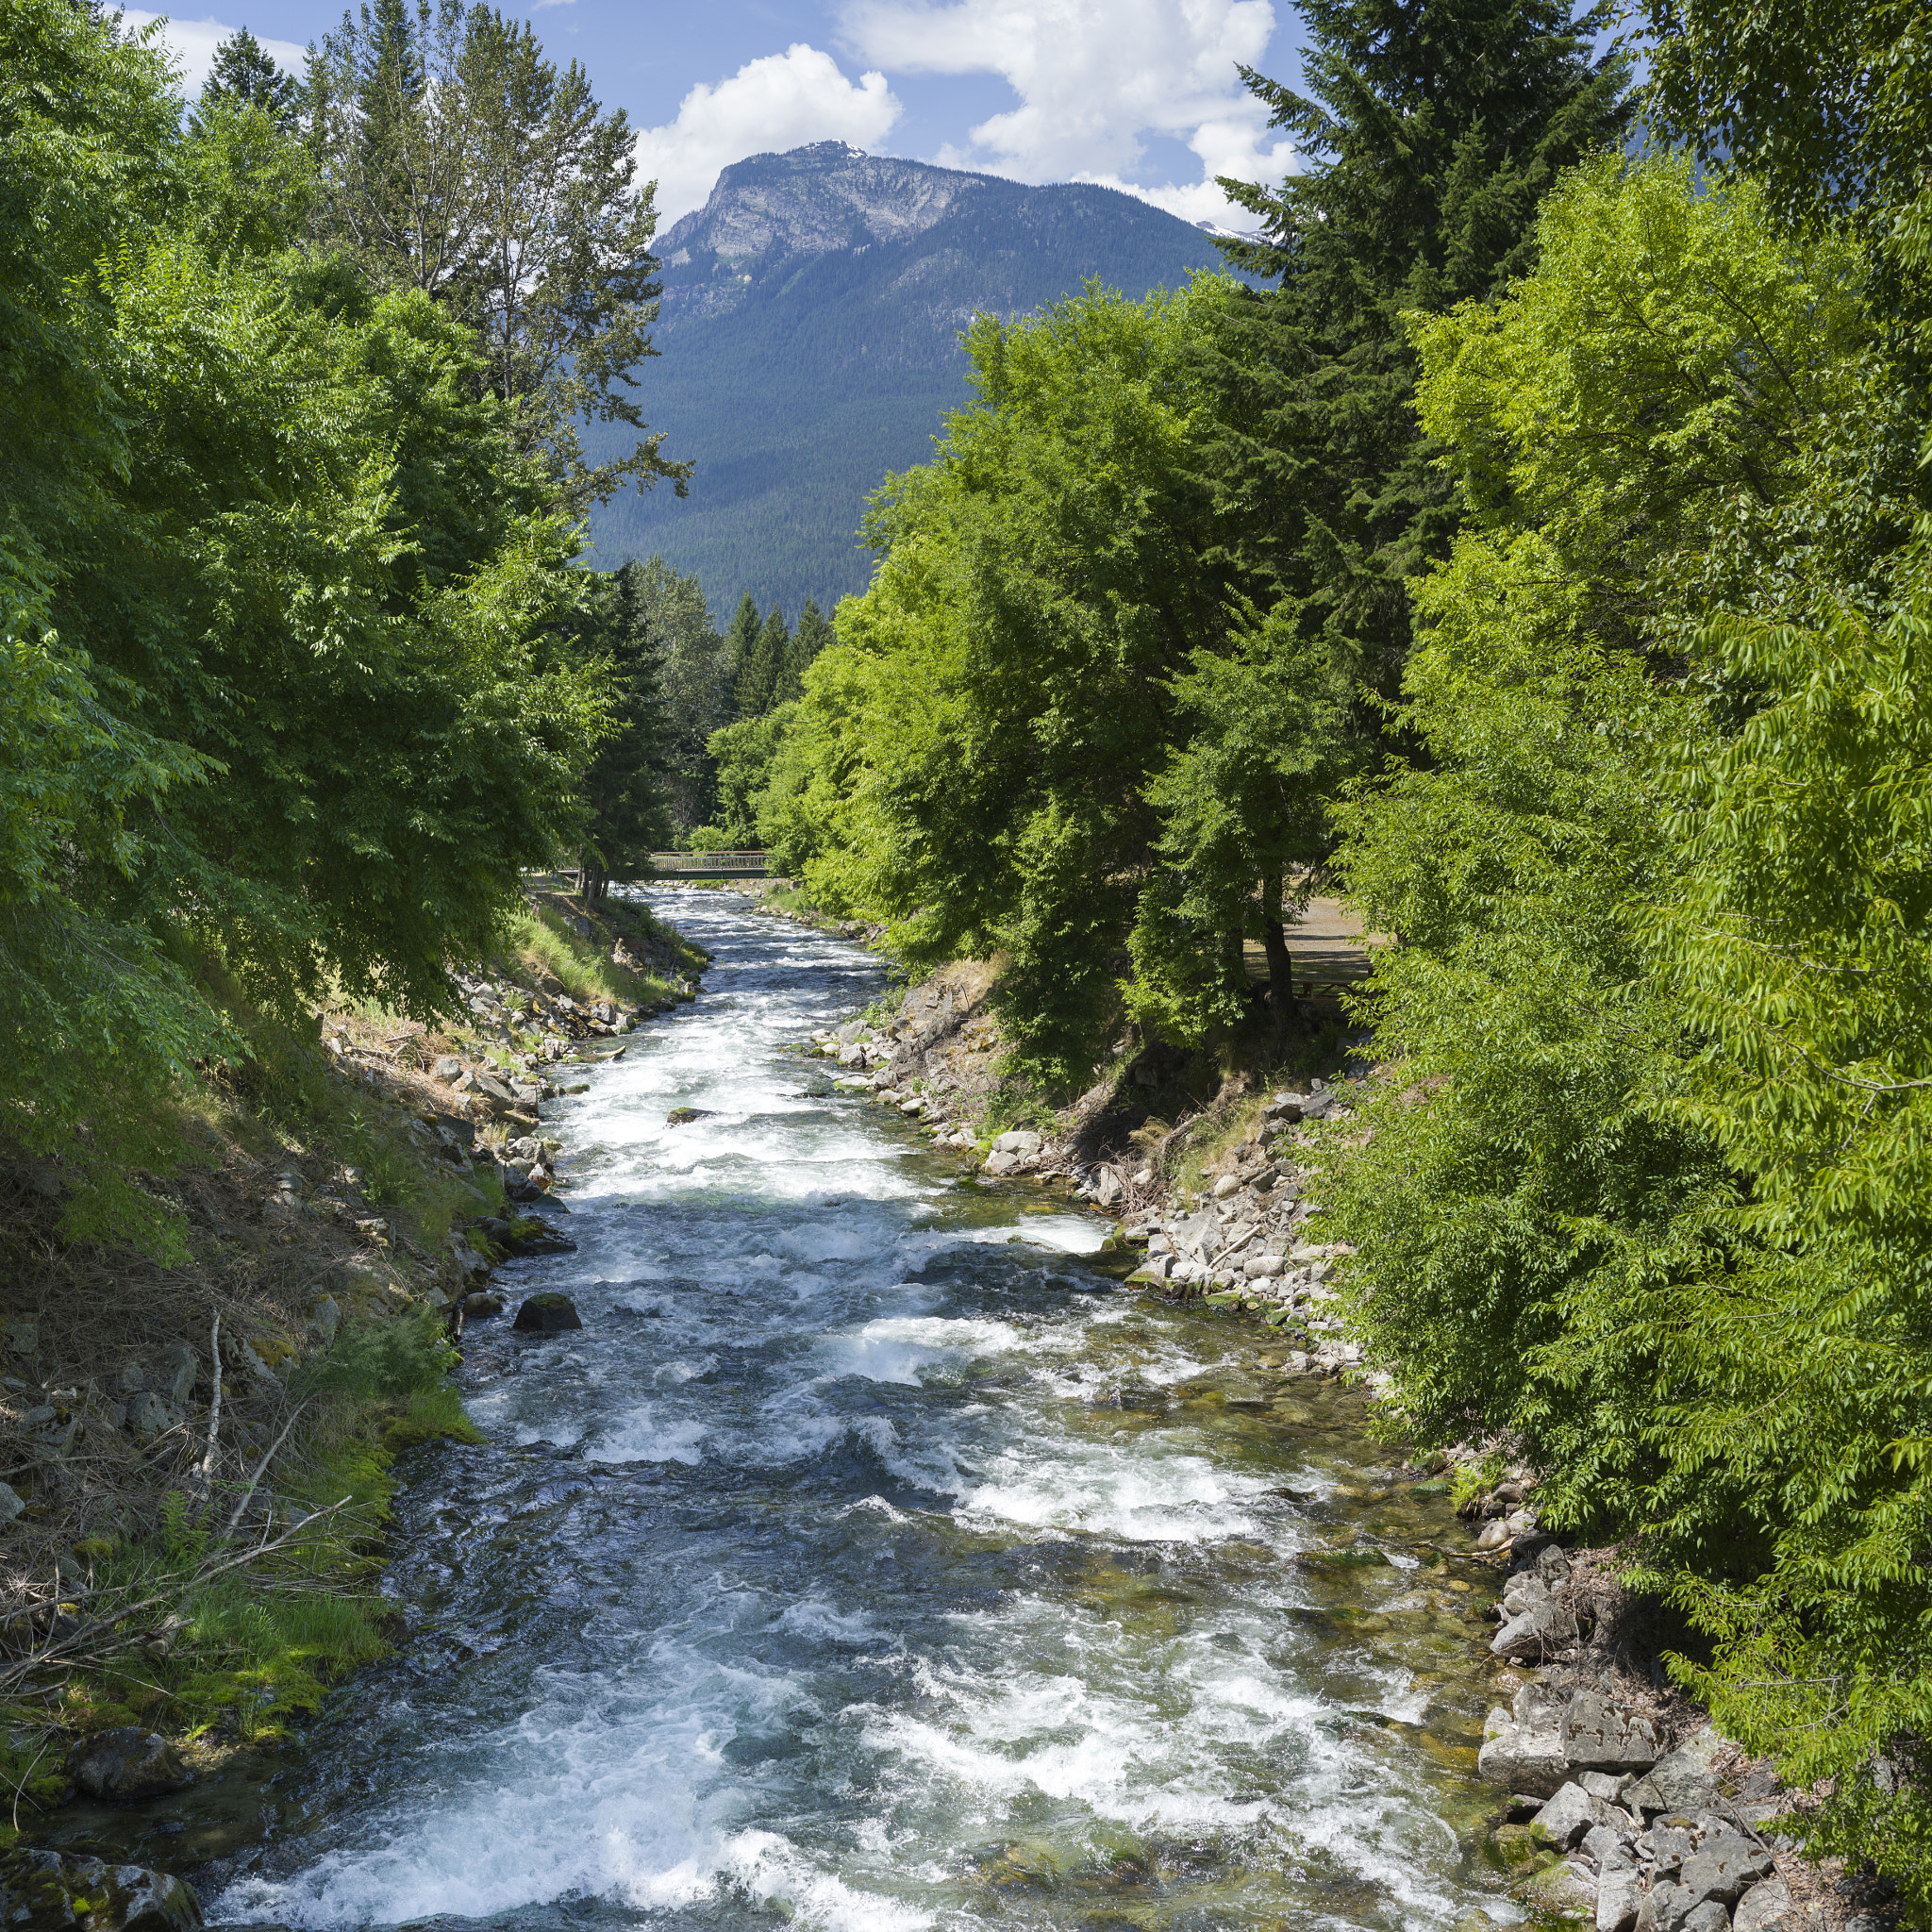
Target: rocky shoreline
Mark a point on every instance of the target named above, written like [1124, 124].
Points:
[1621, 1807]
[307, 1253]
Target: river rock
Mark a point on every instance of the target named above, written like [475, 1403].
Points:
[683, 1116]
[1599, 1736]
[127, 1763]
[1019, 1140]
[1619, 1898]
[1569, 1815]
[1526, 1757]
[1764, 1909]
[1002, 1160]
[148, 1416]
[1681, 1782]
[180, 1368]
[1536, 1633]
[547, 1314]
[42, 1892]
[1725, 1866]
[481, 1304]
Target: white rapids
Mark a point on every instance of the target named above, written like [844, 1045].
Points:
[869, 1560]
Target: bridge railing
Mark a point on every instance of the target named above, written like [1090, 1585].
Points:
[669, 864]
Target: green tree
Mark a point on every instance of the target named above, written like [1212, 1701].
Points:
[243, 72]
[694, 677]
[741, 646]
[763, 669]
[745, 753]
[813, 634]
[982, 736]
[1431, 131]
[456, 159]
[253, 725]
[626, 806]
[1646, 1187]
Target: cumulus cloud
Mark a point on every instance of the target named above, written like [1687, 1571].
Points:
[781, 101]
[1095, 79]
[192, 43]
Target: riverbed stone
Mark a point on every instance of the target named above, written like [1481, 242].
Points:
[1021, 1141]
[127, 1763]
[1619, 1898]
[1536, 1633]
[43, 1892]
[1682, 1781]
[181, 1368]
[1526, 1757]
[1724, 1865]
[1569, 1816]
[1599, 1736]
[547, 1314]
[1766, 1907]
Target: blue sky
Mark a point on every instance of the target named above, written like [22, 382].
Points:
[1140, 93]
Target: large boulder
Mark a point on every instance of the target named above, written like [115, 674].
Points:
[1599, 1736]
[1684, 1781]
[127, 1763]
[1021, 1141]
[42, 1892]
[547, 1314]
[1522, 1747]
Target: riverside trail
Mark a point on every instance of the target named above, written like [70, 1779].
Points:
[871, 1560]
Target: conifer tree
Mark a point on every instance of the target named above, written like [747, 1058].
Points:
[1432, 131]
[741, 650]
[813, 634]
[627, 807]
[762, 661]
[245, 72]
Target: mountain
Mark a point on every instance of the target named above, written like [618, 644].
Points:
[810, 344]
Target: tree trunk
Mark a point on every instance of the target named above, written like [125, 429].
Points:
[1280, 967]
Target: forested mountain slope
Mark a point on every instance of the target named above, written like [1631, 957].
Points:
[810, 344]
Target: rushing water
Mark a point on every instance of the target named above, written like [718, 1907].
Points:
[871, 1560]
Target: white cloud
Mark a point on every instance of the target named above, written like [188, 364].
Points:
[781, 101]
[192, 43]
[1095, 79]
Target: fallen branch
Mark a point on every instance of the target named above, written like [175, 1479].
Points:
[202, 1482]
[261, 1469]
[55, 1651]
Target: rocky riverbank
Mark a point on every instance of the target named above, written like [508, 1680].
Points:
[1619, 1807]
[198, 1450]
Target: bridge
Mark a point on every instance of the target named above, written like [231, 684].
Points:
[709, 865]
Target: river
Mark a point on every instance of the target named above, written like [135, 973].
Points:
[871, 1560]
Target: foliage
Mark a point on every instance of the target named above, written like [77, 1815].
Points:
[275, 586]
[1643, 1189]
[744, 752]
[761, 656]
[626, 815]
[976, 748]
[243, 72]
[455, 159]
[1432, 132]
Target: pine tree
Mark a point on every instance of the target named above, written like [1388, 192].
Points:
[245, 72]
[740, 649]
[1434, 130]
[813, 634]
[760, 672]
[625, 797]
